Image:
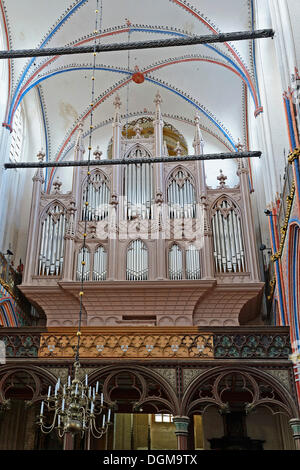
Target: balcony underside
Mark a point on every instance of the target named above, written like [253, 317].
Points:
[150, 303]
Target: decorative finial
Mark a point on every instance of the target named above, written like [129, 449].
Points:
[178, 149]
[117, 102]
[197, 119]
[137, 129]
[239, 146]
[157, 99]
[222, 178]
[41, 156]
[57, 185]
[97, 154]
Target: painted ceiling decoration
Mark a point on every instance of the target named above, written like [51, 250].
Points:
[213, 81]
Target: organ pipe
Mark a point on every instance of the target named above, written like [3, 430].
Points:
[98, 198]
[100, 264]
[181, 196]
[137, 262]
[229, 252]
[51, 254]
[138, 186]
[83, 255]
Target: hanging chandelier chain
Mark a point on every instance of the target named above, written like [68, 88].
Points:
[97, 34]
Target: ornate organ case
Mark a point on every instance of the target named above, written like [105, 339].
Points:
[162, 248]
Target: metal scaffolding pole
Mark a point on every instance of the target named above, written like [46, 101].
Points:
[206, 39]
[128, 161]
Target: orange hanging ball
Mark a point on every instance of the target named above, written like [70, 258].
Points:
[138, 77]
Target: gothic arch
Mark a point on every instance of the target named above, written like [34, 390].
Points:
[152, 390]
[259, 388]
[38, 380]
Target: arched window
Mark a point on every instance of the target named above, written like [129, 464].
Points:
[52, 244]
[175, 263]
[137, 261]
[97, 194]
[181, 195]
[227, 235]
[138, 185]
[192, 263]
[100, 264]
[83, 256]
[17, 136]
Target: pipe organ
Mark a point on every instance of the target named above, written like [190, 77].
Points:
[175, 263]
[97, 194]
[100, 264]
[138, 186]
[192, 262]
[181, 195]
[51, 256]
[137, 261]
[227, 237]
[145, 222]
[83, 257]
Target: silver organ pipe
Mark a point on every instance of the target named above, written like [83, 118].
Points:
[83, 255]
[98, 198]
[138, 186]
[100, 264]
[51, 254]
[181, 196]
[229, 252]
[193, 269]
[175, 263]
[137, 261]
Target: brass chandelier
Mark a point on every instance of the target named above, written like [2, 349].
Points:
[75, 406]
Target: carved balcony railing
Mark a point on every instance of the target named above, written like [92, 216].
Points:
[242, 343]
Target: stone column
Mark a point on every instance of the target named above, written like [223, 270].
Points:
[295, 425]
[68, 441]
[198, 144]
[158, 125]
[181, 431]
[249, 234]
[32, 244]
[69, 244]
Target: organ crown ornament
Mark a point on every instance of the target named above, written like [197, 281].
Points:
[222, 178]
[39, 174]
[97, 154]
[57, 185]
[178, 149]
[117, 102]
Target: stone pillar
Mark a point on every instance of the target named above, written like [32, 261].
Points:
[77, 170]
[181, 431]
[295, 425]
[69, 244]
[158, 125]
[116, 189]
[32, 244]
[248, 229]
[68, 441]
[198, 144]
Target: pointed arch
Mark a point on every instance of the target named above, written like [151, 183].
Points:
[175, 262]
[181, 194]
[95, 191]
[52, 231]
[228, 243]
[83, 264]
[138, 185]
[100, 264]
[137, 265]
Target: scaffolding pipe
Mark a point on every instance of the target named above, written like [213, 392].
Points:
[128, 161]
[204, 39]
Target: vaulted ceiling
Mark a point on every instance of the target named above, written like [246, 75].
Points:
[211, 80]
